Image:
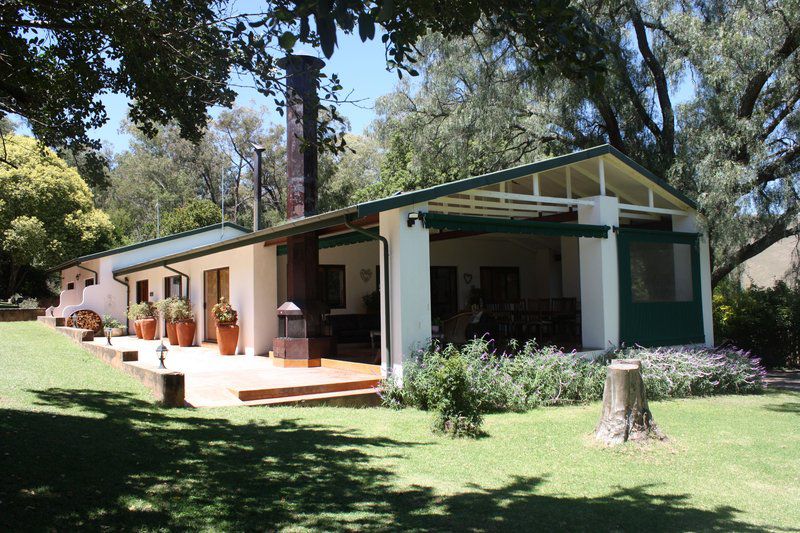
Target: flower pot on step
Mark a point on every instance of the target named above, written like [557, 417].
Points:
[137, 327]
[148, 327]
[185, 330]
[172, 333]
[227, 338]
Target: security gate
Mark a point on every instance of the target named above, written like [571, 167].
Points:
[659, 283]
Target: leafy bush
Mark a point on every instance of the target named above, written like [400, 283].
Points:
[680, 372]
[531, 376]
[165, 308]
[141, 310]
[181, 310]
[764, 321]
[455, 399]
[111, 322]
[29, 303]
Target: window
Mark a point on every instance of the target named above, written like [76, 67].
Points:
[332, 286]
[70, 285]
[88, 282]
[500, 285]
[142, 291]
[173, 286]
[661, 272]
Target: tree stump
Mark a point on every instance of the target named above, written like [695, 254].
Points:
[626, 415]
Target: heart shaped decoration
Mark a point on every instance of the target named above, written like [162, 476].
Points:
[366, 274]
[467, 278]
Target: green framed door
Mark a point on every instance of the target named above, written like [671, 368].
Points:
[659, 284]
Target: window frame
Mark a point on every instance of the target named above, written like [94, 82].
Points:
[322, 273]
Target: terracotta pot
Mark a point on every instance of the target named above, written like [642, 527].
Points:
[172, 333]
[148, 327]
[227, 338]
[185, 330]
[137, 327]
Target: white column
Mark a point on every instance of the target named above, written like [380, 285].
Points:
[599, 276]
[409, 286]
[690, 224]
[264, 321]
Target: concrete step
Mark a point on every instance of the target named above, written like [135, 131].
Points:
[348, 398]
[266, 393]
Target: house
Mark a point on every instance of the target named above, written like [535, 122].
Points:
[587, 250]
[594, 231]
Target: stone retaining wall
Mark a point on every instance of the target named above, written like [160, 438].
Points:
[167, 386]
[51, 321]
[20, 315]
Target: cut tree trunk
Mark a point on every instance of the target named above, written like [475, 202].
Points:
[626, 415]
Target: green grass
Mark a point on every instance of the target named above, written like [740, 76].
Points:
[82, 445]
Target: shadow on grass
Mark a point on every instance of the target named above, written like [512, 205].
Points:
[123, 464]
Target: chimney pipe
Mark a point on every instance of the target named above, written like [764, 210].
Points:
[303, 312]
[301, 133]
[257, 189]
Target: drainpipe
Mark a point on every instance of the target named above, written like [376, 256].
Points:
[96, 275]
[387, 303]
[180, 274]
[127, 299]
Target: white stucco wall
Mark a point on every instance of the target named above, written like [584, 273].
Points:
[253, 284]
[355, 257]
[107, 296]
[536, 262]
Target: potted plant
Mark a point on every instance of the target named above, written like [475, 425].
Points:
[148, 323]
[165, 307]
[227, 330]
[113, 326]
[372, 301]
[183, 318]
[135, 314]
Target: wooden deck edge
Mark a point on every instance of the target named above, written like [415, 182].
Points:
[302, 390]
[361, 368]
[352, 398]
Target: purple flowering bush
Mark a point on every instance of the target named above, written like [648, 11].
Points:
[527, 376]
[680, 372]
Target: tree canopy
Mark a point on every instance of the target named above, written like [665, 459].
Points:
[705, 94]
[174, 59]
[46, 212]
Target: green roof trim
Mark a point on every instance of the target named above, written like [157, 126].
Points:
[142, 244]
[343, 239]
[502, 225]
[492, 178]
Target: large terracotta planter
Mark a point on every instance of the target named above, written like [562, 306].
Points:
[137, 327]
[227, 338]
[185, 330]
[148, 327]
[172, 333]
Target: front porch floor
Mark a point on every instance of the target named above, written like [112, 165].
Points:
[213, 380]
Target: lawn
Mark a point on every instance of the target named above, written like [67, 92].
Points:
[82, 445]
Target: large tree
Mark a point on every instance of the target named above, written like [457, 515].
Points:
[703, 93]
[174, 58]
[46, 213]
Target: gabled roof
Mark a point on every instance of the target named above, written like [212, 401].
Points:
[143, 244]
[492, 178]
[358, 211]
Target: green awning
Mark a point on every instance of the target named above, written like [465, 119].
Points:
[342, 239]
[502, 225]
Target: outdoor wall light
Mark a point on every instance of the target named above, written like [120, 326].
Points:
[161, 350]
[412, 218]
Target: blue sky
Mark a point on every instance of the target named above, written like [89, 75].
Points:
[361, 68]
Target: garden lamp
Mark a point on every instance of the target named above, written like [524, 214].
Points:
[161, 350]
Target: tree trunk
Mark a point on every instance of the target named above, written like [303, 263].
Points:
[626, 415]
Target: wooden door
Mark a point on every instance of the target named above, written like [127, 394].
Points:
[142, 291]
[216, 285]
